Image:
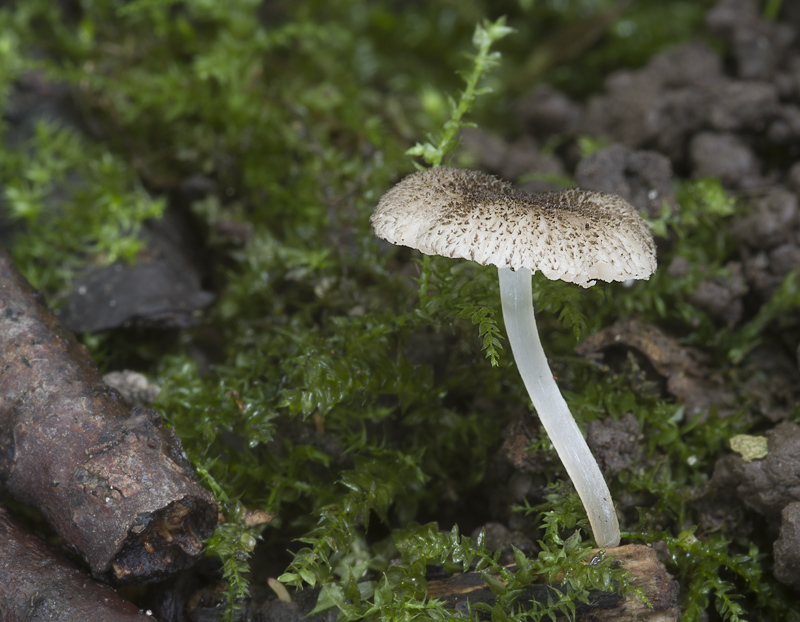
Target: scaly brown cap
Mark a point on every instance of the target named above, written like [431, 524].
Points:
[574, 235]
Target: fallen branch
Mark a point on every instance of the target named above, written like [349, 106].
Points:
[113, 483]
[38, 583]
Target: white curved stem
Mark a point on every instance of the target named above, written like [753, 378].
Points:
[515, 294]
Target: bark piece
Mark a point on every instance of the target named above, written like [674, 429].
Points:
[161, 290]
[684, 368]
[153, 293]
[38, 583]
[653, 579]
[114, 483]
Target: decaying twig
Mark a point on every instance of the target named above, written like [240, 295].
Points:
[37, 583]
[650, 576]
[462, 591]
[114, 483]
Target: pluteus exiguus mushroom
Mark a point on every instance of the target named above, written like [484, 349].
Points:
[573, 235]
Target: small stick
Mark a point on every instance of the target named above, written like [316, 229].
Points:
[113, 483]
[38, 583]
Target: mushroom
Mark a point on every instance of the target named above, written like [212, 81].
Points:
[574, 235]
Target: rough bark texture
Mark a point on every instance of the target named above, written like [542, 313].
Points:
[37, 584]
[114, 483]
[649, 576]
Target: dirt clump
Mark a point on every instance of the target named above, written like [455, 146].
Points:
[771, 488]
[787, 547]
[643, 178]
[615, 443]
[769, 241]
[770, 484]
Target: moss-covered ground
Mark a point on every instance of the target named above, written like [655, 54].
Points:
[357, 391]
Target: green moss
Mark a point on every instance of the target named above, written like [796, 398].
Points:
[344, 386]
[76, 204]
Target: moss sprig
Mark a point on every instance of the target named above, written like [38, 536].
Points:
[373, 486]
[398, 592]
[486, 35]
[233, 543]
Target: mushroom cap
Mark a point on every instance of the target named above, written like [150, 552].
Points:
[573, 235]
